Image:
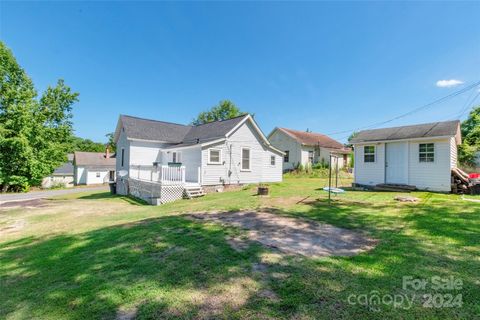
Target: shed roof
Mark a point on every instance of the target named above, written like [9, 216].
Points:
[426, 130]
[313, 139]
[96, 159]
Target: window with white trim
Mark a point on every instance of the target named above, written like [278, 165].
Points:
[214, 156]
[426, 152]
[272, 160]
[369, 154]
[245, 165]
[176, 157]
[98, 175]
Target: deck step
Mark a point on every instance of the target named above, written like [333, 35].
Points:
[194, 192]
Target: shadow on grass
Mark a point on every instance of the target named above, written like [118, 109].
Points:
[162, 267]
[108, 195]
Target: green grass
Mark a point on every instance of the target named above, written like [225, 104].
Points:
[94, 255]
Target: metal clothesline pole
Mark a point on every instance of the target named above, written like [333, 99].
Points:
[329, 178]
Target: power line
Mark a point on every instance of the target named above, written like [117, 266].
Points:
[468, 106]
[452, 95]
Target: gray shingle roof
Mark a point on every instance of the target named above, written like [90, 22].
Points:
[96, 159]
[65, 169]
[212, 130]
[427, 130]
[145, 129]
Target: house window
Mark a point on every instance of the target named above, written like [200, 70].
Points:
[426, 152]
[369, 154]
[272, 160]
[310, 156]
[214, 156]
[245, 159]
[176, 157]
[123, 155]
[98, 175]
[286, 157]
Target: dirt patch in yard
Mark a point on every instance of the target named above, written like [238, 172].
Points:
[294, 235]
[34, 203]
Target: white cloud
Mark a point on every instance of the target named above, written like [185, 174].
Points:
[448, 83]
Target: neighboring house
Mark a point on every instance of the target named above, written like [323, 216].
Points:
[157, 160]
[420, 155]
[93, 167]
[62, 176]
[304, 148]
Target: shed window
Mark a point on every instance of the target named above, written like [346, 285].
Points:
[214, 156]
[98, 174]
[426, 152]
[245, 159]
[272, 160]
[369, 154]
[286, 157]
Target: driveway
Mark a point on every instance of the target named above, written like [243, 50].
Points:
[293, 235]
[7, 197]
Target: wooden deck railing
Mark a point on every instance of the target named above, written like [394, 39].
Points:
[167, 175]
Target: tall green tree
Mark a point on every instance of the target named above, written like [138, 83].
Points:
[471, 138]
[80, 144]
[225, 109]
[35, 132]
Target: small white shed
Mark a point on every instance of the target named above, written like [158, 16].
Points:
[420, 155]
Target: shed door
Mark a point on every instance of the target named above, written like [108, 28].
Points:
[396, 164]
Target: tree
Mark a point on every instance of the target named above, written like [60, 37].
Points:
[225, 109]
[87, 145]
[111, 141]
[34, 133]
[471, 138]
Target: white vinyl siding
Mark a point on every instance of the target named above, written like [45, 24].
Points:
[434, 176]
[87, 176]
[453, 152]
[192, 160]
[230, 171]
[370, 173]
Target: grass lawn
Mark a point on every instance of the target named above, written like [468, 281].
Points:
[93, 255]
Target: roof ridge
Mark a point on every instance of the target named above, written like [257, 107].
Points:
[199, 125]
[168, 122]
[311, 132]
[412, 125]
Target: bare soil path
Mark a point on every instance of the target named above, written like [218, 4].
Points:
[294, 235]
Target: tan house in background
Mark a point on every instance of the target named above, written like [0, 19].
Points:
[305, 148]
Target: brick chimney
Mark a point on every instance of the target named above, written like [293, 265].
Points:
[107, 152]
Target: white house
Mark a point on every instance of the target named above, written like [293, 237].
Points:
[93, 167]
[304, 148]
[420, 155]
[158, 160]
[61, 176]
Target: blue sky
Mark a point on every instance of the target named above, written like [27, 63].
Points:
[324, 66]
